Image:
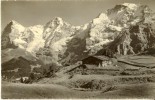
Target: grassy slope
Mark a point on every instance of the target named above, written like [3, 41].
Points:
[138, 60]
[143, 90]
[31, 91]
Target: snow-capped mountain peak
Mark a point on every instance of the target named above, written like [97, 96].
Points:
[130, 6]
[58, 20]
[12, 31]
[15, 24]
[101, 18]
[13, 21]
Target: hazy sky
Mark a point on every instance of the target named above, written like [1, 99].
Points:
[75, 12]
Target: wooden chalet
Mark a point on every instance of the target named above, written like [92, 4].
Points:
[95, 60]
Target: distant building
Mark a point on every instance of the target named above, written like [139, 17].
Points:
[100, 61]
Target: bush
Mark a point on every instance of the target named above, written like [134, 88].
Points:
[124, 73]
[21, 80]
[93, 85]
[50, 70]
[32, 77]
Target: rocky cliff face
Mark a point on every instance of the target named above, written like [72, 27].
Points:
[137, 36]
[134, 40]
[10, 33]
[124, 29]
[16, 35]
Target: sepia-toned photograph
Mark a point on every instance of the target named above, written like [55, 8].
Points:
[78, 49]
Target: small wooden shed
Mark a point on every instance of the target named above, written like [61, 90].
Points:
[95, 60]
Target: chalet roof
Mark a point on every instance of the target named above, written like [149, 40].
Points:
[99, 57]
[102, 57]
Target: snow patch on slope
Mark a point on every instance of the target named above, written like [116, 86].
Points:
[99, 25]
[38, 40]
[20, 43]
[135, 21]
[115, 28]
[105, 41]
[59, 45]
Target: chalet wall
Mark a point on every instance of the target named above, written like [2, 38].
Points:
[91, 60]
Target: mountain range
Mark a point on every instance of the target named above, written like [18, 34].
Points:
[123, 30]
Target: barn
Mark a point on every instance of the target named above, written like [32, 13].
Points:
[96, 60]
